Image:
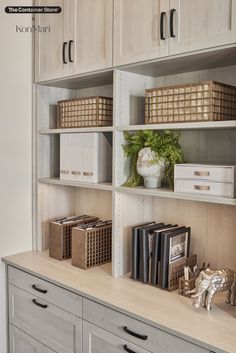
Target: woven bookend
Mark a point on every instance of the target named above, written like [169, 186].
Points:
[176, 271]
[91, 247]
[60, 237]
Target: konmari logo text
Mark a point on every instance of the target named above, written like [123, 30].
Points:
[33, 28]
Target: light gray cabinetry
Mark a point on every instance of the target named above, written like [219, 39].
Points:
[137, 34]
[97, 340]
[22, 343]
[79, 40]
[202, 24]
[150, 29]
[45, 290]
[54, 327]
[135, 331]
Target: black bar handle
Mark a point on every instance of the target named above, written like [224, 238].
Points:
[162, 25]
[43, 306]
[137, 335]
[69, 51]
[125, 347]
[172, 11]
[63, 53]
[44, 291]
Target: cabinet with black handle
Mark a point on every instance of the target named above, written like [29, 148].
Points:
[150, 29]
[78, 40]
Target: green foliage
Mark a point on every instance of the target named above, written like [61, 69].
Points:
[165, 144]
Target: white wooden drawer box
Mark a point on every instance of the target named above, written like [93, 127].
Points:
[63, 298]
[52, 326]
[85, 157]
[135, 331]
[225, 174]
[205, 180]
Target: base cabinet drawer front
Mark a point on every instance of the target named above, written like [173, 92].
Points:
[20, 342]
[204, 187]
[54, 327]
[97, 340]
[62, 298]
[135, 331]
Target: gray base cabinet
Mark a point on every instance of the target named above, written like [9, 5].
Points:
[22, 343]
[42, 320]
[97, 340]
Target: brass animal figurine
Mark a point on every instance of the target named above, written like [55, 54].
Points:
[211, 282]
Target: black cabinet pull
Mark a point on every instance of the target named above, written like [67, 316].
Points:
[126, 348]
[172, 11]
[137, 335]
[162, 25]
[44, 291]
[69, 51]
[43, 306]
[64, 53]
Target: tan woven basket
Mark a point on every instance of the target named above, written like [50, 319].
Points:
[203, 101]
[84, 112]
[91, 247]
[60, 237]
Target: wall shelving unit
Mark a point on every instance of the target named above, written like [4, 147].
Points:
[212, 219]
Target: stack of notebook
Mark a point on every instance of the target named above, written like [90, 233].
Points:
[156, 246]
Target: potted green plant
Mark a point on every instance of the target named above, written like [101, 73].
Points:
[165, 149]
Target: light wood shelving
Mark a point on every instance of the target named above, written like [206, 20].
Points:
[57, 181]
[165, 193]
[201, 125]
[209, 142]
[76, 130]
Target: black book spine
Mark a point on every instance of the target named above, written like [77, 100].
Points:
[135, 254]
[144, 257]
[155, 259]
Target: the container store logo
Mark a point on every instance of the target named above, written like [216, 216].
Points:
[33, 9]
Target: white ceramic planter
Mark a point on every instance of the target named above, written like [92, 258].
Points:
[151, 170]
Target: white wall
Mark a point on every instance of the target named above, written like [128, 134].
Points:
[15, 143]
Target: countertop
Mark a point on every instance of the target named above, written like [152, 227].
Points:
[214, 330]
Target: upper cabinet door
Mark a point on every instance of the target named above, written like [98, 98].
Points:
[137, 30]
[51, 49]
[91, 48]
[201, 24]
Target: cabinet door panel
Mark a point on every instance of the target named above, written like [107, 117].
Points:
[54, 327]
[22, 343]
[202, 24]
[96, 340]
[92, 47]
[49, 45]
[137, 30]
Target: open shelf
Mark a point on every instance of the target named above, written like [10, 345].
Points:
[165, 193]
[76, 130]
[201, 125]
[56, 181]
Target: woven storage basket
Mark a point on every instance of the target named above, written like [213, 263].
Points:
[203, 101]
[60, 237]
[91, 247]
[84, 112]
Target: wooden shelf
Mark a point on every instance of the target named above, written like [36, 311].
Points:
[76, 130]
[56, 181]
[174, 195]
[201, 125]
